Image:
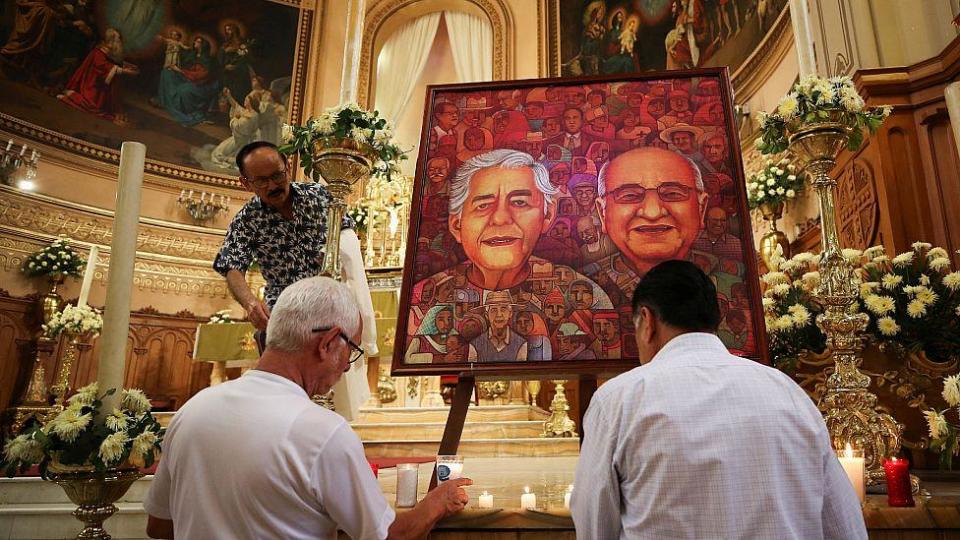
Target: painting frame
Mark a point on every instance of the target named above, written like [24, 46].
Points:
[76, 151]
[401, 367]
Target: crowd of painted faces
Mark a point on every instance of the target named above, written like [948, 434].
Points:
[542, 208]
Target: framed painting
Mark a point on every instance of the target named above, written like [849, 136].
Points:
[538, 205]
[593, 37]
[193, 80]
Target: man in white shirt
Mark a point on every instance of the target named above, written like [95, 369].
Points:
[255, 458]
[698, 443]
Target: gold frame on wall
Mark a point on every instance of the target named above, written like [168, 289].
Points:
[72, 146]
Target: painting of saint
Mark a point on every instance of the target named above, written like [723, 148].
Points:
[528, 248]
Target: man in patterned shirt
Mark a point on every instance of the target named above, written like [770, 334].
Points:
[283, 227]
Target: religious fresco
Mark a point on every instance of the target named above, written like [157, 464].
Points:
[625, 36]
[194, 81]
[537, 208]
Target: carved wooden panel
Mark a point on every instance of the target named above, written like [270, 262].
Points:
[17, 325]
[858, 213]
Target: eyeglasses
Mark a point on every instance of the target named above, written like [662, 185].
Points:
[276, 178]
[634, 194]
[357, 351]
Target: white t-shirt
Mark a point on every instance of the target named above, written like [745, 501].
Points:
[255, 458]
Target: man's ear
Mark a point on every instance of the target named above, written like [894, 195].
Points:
[601, 209]
[703, 197]
[649, 331]
[453, 223]
[328, 340]
[246, 184]
[549, 215]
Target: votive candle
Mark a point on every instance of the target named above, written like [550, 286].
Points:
[899, 489]
[566, 497]
[853, 464]
[486, 500]
[407, 485]
[528, 501]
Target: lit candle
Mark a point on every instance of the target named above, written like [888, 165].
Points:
[528, 501]
[23, 150]
[33, 155]
[123, 251]
[190, 195]
[853, 463]
[88, 276]
[202, 194]
[899, 489]
[407, 485]
[9, 145]
[566, 497]
[486, 500]
[182, 193]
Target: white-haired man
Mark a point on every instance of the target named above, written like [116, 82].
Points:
[255, 458]
[501, 203]
[651, 203]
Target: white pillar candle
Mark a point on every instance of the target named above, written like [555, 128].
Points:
[853, 464]
[566, 497]
[952, 95]
[88, 276]
[9, 145]
[23, 150]
[528, 501]
[407, 485]
[356, 10]
[485, 500]
[803, 37]
[123, 252]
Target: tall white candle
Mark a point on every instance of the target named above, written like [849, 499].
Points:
[566, 496]
[407, 485]
[528, 501]
[853, 465]
[485, 500]
[9, 145]
[952, 95]
[803, 37]
[123, 251]
[88, 276]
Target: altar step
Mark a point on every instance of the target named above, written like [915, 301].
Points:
[476, 413]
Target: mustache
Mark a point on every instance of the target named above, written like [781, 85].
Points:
[275, 192]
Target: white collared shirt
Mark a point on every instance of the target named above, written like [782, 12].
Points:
[255, 458]
[703, 444]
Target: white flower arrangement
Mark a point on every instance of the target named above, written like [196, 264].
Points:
[74, 320]
[815, 99]
[221, 317]
[943, 433]
[778, 182]
[790, 309]
[75, 436]
[350, 122]
[56, 261]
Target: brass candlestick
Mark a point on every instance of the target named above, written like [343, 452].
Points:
[51, 301]
[775, 237]
[849, 408]
[341, 163]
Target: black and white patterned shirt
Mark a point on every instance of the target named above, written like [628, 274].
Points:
[287, 251]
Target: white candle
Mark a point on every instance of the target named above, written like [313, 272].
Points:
[566, 497]
[528, 501]
[191, 194]
[803, 37]
[486, 500]
[33, 155]
[853, 465]
[202, 194]
[88, 276]
[9, 145]
[407, 485]
[23, 150]
[123, 251]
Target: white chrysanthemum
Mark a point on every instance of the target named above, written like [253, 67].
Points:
[783, 322]
[874, 251]
[851, 100]
[925, 280]
[324, 124]
[811, 279]
[804, 257]
[781, 289]
[868, 287]
[770, 182]
[69, 424]
[791, 193]
[773, 278]
[916, 309]
[888, 326]
[771, 323]
[936, 423]
[952, 281]
[880, 305]
[142, 445]
[116, 421]
[23, 448]
[286, 133]
[768, 303]
[891, 281]
[921, 246]
[879, 259]
[927, 296]
[940, 264]
[111, 449]
[951, 390]
[938, 253]
[801, 315]
[787, 108]
[903, 259]
[852, 255]
[135, 401]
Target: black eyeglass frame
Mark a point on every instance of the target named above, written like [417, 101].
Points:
[358, 351]
[276, 178]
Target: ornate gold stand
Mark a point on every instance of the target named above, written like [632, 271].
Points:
[849, 408]
[559, 424]
[77, 343]
[35, 404]
[51, 301]
[775, 237]
[341, 163]
[94, 494]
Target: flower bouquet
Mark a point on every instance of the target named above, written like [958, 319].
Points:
[346, 122]
[56, 261]
[221, 317]
[943, 433]
[79, 437]
[776, 184]
[74, 320]
[913, 300]
[813, 100]
[360, 214]
[790, 309]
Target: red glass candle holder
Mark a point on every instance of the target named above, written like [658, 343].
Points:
[376, 469]
[899, 490]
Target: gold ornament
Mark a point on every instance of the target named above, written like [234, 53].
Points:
[51, 301]
[60, 389]
[849, 408]
[775, 237]
[559, 424]
[94, 494]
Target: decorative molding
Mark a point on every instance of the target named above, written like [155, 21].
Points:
[497, 12]
[858, 211]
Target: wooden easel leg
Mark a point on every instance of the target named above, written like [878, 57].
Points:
[588, 385]
[455, 420]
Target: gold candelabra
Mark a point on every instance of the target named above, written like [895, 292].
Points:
[849, 408]
[17, 167]
[559, 423]
[204, 208]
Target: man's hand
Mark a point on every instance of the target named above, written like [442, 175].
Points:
[258, 313]
[449, 497]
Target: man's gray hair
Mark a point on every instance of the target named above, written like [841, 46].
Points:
[602, 177]
[308, 304]
[508, 159]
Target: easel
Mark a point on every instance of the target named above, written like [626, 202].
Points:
[460, 404]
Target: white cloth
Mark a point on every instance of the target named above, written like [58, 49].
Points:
[471, 40]
[703, 444]
[352, 390]
[255, 458]
[400, 64]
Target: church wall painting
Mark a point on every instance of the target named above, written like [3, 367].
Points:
[194, 80]
[538, 205]
[590, 37]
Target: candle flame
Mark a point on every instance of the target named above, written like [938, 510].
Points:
[485, 493]
[526, 489]
[894, 459]
[848, 452]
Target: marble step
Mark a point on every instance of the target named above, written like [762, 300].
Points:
[511, 429]
[54, 520]
[34, 491]
[479, 413]
[474, 448]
